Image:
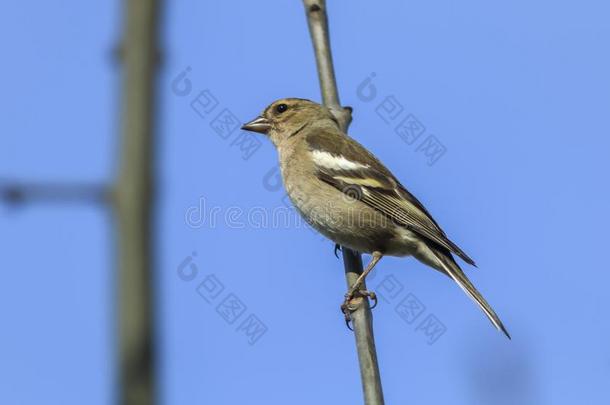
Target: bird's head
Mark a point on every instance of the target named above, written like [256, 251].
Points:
[286, 117]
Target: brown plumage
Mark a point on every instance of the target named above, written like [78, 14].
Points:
[349, 196]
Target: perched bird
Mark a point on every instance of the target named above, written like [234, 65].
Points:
[349, 196]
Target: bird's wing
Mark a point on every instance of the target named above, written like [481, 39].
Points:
[349, 167]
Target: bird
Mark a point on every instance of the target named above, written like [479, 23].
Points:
[346, 193]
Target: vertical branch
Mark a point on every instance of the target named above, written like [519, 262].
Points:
[361, 318]
[134, 205]
[317, 20]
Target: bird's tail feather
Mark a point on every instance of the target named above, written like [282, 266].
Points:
[454, 271]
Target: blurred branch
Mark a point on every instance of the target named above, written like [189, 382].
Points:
[16, 193]
[134, 198]
[362, 321]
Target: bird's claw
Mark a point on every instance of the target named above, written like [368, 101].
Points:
[347, 309]
[348, 317]
[369, 294]
[337, 248]
[372, 296]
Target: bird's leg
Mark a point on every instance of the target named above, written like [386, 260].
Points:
[355, 288]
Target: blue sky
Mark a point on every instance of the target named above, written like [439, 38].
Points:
[514, 95]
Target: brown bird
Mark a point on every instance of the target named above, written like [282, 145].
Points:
[348, 195]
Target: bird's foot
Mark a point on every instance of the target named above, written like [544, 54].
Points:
[353, 298]
[337, 248]
[347, 313]
[371, 295]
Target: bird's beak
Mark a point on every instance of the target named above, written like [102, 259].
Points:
[258, 124]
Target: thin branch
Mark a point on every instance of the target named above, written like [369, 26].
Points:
[361, 318]
[317, 20]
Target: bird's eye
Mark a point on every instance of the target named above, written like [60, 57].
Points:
[281, 108]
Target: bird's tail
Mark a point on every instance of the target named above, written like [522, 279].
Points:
[454, 271]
